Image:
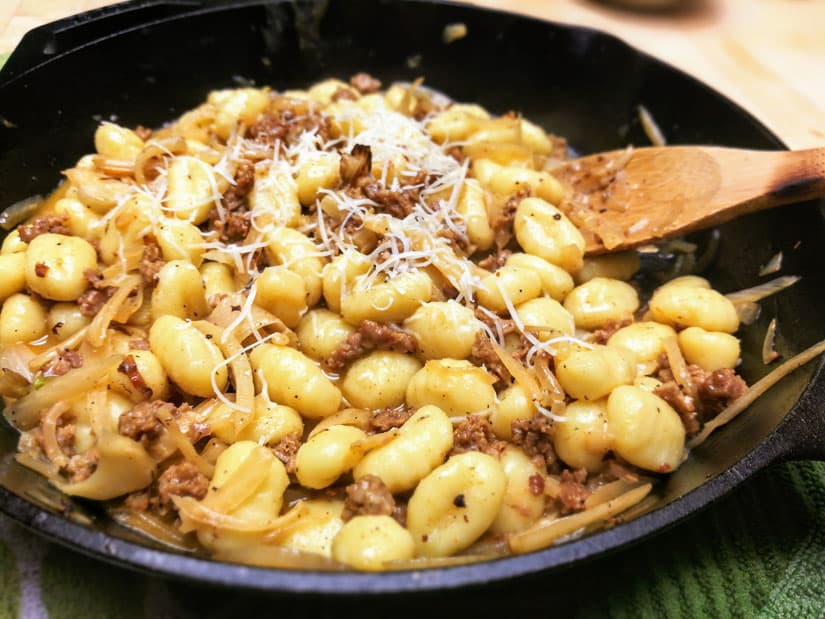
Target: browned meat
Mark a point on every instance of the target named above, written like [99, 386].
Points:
[389, 418]
[140, 423]
[234, 198]
[458, 240]
[356, 166]
[535, 436]
[444, 291]
[138, 501]
[505, 325]
[151, 262]
[236, 221]
[388, 337]
[130, 369]
[387, 253]
[286, 451]
[456, 152]
[475, 433]
[182, 479]
[536, 484]
[188, 422]
[617, 470]
[572, 491]
[368, 496]
[344, 94]
[718, 390]
[60, 364]
[682, 403]
[95, 279]
[144, 133]
[664, 373]
[371, 335]
[496, 260]
[92, 301]
[709, 394]
[600, 336]
[286, 126]
[57, 224]
[365, 83]
[65, 435]
[270, 128]
[140, 343]
[81, 466]
[233, 228]
[483, 354]
[398, 203]
[502, 222]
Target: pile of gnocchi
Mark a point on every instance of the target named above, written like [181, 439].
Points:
[345, 327]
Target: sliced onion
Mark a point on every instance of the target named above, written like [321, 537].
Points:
[25, 413]
[154, 150]
[553, 395]
[12, 384]
[183, 445]
[153, 527]
[678, 366]
[241, 483]
[238, 362]
[267, 555]
[768, 353]
[118, 168]
[519, 373]
[550, 530]
[48, 426]
[97, 330]
[46, 469]
[35, 363]
[651, 127]
[19, 212]
[757, 293]
[357, 417]
[16, 358]
[772, 266]
[756, 390]
[748, 312]
[608, 492]
[194, 514]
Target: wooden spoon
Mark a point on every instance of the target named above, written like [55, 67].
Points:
[627, 198]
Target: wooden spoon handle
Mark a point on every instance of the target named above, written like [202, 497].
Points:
[664, 192]
[799, 176]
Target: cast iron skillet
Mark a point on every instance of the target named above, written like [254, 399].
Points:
[146, 62]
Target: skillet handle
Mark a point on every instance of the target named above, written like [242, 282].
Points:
[57, 38]
[801, 436]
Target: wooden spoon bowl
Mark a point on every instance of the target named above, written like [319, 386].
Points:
[637, 196]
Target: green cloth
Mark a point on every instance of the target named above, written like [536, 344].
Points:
[760, 553]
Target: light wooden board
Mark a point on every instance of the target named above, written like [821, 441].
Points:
[767, 55]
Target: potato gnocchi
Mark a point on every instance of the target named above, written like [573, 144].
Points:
[345, 326]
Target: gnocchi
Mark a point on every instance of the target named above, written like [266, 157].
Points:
[345, 327]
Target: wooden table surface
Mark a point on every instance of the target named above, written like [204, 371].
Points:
[767, 55]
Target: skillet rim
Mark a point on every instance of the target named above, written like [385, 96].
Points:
[202, 570]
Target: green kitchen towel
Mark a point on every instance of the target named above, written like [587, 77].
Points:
[758, 553]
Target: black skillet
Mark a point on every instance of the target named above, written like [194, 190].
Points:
[146, 62]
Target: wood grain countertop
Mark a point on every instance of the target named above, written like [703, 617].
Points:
[767, 55]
